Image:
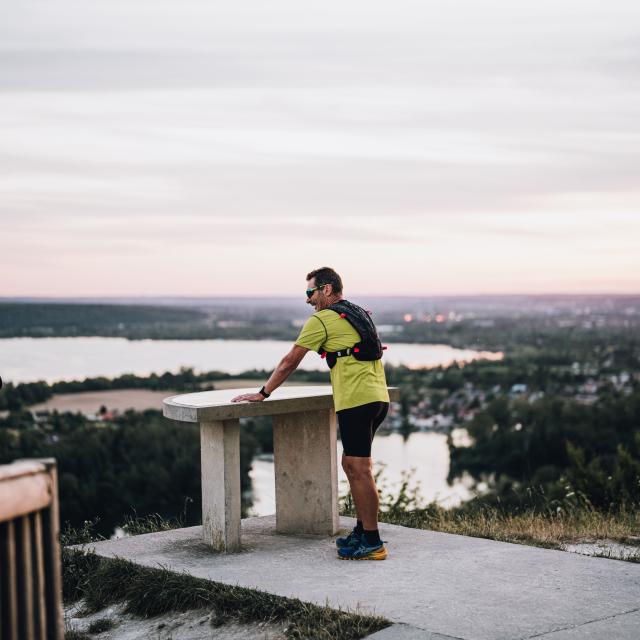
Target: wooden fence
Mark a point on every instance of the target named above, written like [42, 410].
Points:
[30, 578]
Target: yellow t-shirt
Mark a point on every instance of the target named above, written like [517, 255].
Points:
[354, 382]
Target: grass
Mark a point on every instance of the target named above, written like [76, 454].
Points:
[74, 634]
[101, 624]
[549, 526]
[147, 592]
[529, 527]
[137, 525]
[83, 535]
[133, 525]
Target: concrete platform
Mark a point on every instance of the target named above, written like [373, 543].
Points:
[433, 585]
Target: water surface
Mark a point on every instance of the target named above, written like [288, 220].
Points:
[425, 456]
[52, 359]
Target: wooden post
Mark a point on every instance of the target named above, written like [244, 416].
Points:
[51, 530]
[39, 577]
[25, 577]
[8, 576]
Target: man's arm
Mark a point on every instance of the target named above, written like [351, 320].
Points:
[285, 368]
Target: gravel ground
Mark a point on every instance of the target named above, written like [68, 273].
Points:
[607, 548]
[189, 625]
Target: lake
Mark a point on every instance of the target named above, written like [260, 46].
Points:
[52, 359]
[424, 455]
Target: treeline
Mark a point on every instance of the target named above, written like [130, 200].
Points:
[553, 449]
[142, 322]
[63, 319]
[501, 333]
[503, 328]
[140, 465]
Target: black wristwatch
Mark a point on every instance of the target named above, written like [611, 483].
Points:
[263, 392]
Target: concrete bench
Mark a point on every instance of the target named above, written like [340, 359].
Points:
[305, 458]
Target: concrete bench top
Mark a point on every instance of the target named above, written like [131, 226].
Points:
[217, 405]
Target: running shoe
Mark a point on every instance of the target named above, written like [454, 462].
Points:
[352, 540]
[363, 552]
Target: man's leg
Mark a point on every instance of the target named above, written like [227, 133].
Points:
[344, 468]
[363, 489]
[357, 428]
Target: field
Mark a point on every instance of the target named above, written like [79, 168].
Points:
[88, 402]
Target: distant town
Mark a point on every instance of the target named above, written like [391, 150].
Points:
[453, 320]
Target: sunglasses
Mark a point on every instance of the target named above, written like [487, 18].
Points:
[310, 291]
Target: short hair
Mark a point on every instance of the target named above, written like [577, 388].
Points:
[326, 275]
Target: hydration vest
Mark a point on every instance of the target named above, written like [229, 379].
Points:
[369, 347]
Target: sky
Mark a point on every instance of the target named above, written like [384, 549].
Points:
[419, 148]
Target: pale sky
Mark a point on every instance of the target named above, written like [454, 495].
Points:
[193, 148]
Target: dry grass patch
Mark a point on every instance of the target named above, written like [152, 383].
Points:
[530, 527]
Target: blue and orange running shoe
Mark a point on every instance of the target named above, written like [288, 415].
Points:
[352, 540]
[363, 552]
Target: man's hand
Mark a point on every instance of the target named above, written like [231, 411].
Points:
[248, 397]
[287, 366]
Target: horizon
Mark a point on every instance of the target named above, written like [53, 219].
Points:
[294, 297]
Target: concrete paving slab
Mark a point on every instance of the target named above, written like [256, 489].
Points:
[458, 586]
[622, 626]
[406, 632]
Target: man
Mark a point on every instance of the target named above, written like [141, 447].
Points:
[361, 401]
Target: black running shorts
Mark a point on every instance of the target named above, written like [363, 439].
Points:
[358, 425]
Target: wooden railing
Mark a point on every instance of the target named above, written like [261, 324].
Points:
[30, 578]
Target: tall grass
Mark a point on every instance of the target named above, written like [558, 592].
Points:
[550, 524]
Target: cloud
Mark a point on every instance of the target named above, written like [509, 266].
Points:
[464, 137]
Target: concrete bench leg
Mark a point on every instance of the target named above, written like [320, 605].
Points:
[306, 470]
[220, 458]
